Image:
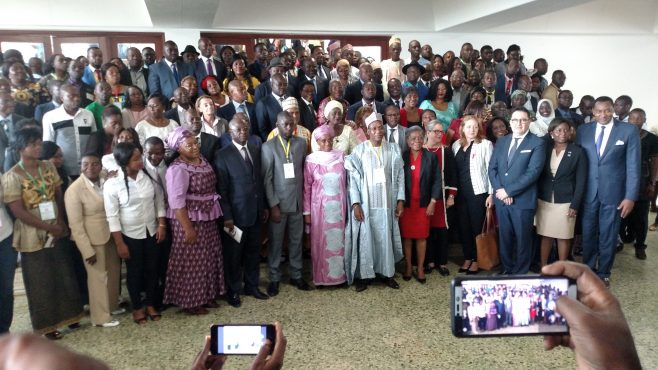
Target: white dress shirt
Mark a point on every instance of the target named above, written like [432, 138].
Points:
[511, 144]
[136, 212]
[606, 134]
[396, 137]
[240, 150]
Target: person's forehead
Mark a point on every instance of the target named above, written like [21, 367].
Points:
[519, 114]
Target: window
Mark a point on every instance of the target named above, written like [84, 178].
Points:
[76, 49]
[122, 48]
[28, 49]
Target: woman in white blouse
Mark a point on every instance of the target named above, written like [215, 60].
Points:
[472, 155]
[156, 124]
[135, 210]
[211, 123]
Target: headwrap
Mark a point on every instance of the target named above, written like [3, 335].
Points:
[394, 39]
[519, 92]
[373, 117]
[175, 138]
[546, 120]
[204, 82]
[331, 106]
[323, 131]
[288, 103]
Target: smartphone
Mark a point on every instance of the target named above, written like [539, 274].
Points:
[508, 305]
[238, 339]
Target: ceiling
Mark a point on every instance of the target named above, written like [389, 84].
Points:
[342, 16]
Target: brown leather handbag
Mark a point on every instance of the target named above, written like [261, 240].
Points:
[487, 243]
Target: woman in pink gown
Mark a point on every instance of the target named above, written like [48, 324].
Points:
[325, 209]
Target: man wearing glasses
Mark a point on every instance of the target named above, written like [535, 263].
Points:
[515, 166]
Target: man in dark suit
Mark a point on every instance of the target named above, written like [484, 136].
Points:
[367, 94]
[613, 180]
[92, 73]
[210, 144]
[394, 93]
[309, 72]
[269, 106]
[353, 90]
[41, 109]
[395, 133]
[563, 110]
[207, 65]
[283, 176]
[182, 100]
[238, 94]
[265, 88]
[139, 76]
[460, 93]
[318, 55]
[166, 75]
[240, 185]
[507, 82]
[9, 124]
[308, 114]
[258, 68]
[515, 166]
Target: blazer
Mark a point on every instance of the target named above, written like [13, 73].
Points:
[129, 77]
[568, 184]
[519, 178]
[200, 72]
[286, 193]
[226, 140]
[173, 115]
[256, 70]
[209, 146]
[321, 92]
[430, 178]
[463, 100]
[242, 191]
[265, 89]
[402, 136]
[266, 111]
[500, 88]
[228, 111]
[161, 79]
[307, 116]
[88, 77]
[326, 72]
[351, 111]
[616, 175]
[86, 213]
[41, 110]
[574, 117]
[353, 92]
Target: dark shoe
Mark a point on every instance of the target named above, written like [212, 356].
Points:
[620, 247]
[640, 253]
[391, 283]
[428, 269]
[234, 300]
[474, 272]
[406, 277]
[196, 311]
[422, 281]
[75, 325]
[300, 284]
[273, 289]
[257, 294]
[360, 286]
[54, 335]
[462, 269]
[443, 271]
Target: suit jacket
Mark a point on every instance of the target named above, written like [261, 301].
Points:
[402, 133]
[519, 179]
[308, 117]
[430, 178]
[568, 184]
[129, 78]
[266, 111]
[616, 175]
[41, 110]
[500, 88]
[353, 92]
[390, 101]
[209, 146]
[326, 70]
[286, 193]
[161, 79]
[265, 89]
[86, 213]
[242, 191]
[173, 114]
[200, 72]
[228, 111]
[8, 155]
[463, 100]
[321, 91]
[575, 118]
[88, 77]
[256, 70]
[351, 111]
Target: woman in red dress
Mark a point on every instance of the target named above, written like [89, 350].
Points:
[422, 182]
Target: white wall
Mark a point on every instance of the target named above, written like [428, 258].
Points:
[594, 64]
[182, 37]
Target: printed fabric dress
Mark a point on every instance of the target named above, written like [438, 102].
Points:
[195, 274]
[325, 201]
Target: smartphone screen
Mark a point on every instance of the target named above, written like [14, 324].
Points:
[239, 339]
[508, 305]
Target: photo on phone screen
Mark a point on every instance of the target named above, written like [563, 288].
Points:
[239, 339]
[495, 306]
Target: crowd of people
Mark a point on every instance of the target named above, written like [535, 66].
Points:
[194, 167]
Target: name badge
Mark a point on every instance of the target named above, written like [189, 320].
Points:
[47, 210]
[380, 176]
[289, 170]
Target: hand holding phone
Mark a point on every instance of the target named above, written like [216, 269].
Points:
[238, 339]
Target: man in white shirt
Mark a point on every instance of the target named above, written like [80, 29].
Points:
[395, 134]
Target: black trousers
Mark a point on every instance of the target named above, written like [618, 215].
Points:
[142, 270]
[638, 222]
[242, 259]
[470, 212]
[437, 246]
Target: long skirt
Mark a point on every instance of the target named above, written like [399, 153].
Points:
[53, 295]
[195, 274]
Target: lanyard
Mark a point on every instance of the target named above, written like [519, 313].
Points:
[42, 187]
[378, 153]
[286, 150]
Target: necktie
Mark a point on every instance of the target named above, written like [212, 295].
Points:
[599, 141]
[397, 103]
[97, 75]
[175, 70]
[209, 67]
[281, 99]
[241, 108]
[247, 160]
[391, 137]
[508, 86]
[512, 151]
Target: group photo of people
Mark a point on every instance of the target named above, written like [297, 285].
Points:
[513, 307]
[187, 181]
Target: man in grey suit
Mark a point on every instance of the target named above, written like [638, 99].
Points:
[395, 133]
[283, 166]
[165, 76]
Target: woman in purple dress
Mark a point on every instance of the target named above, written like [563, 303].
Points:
[195, 274]
[325, 207]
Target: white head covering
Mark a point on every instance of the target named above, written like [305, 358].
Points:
[289, 103]
[546, 120]
[331, 106]
[373, 117]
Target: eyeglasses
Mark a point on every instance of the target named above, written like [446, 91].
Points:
[437, 132]
[516, 120]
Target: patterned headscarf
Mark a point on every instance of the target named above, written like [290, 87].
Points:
[175, 138]
[323, 131]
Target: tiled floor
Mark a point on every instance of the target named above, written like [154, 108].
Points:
[336, 328]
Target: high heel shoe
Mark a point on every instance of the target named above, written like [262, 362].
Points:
[406, 278]
[464, 269]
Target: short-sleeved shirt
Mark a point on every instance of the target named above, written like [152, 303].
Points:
[17, 186]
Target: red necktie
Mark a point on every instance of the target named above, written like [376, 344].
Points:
[97, 73]
[508, 86]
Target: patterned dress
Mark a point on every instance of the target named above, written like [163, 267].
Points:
[195, 274]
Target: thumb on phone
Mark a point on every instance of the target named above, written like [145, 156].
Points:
[259, 361]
